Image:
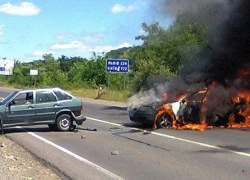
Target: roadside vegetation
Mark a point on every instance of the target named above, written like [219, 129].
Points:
[164, 53]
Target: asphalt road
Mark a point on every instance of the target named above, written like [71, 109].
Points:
[120, 149]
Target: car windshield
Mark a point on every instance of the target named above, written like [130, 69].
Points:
[7, 98]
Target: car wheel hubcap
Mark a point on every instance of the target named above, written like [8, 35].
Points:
[165, 122]
[65, 123]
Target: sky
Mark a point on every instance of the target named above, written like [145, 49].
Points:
[31, 28]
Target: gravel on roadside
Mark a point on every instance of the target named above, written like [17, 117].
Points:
[17, 164]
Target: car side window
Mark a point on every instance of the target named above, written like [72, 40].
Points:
[61, 95]
[45, 96]
[23, 98]
[198, 96]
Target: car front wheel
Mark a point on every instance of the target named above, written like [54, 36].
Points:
[64, 122]
[164, 121]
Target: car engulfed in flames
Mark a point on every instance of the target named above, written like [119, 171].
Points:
[194, 112]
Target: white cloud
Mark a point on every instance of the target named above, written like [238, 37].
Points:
[80, 47]
[63, 46]
[39, 53]
[1, 29]
[94, 37]
[22, 9]
[63, 36]
[103, 48]
[119, 8]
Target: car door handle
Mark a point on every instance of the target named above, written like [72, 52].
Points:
[56, 105]
[31, 107]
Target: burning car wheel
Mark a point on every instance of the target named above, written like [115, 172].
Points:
[164, 121]
[64, 122]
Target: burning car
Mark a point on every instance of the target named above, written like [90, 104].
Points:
[192, 112]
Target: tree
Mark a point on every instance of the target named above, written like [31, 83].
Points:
[50, 73]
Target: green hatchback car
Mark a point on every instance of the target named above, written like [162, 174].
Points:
[53, 106]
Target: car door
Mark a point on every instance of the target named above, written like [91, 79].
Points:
[21, 110]
[193, 110]
[46, 106]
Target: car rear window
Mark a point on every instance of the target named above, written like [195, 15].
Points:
[62, 95]
[45, 96]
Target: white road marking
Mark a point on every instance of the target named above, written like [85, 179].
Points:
[175, 138]
[93, 165]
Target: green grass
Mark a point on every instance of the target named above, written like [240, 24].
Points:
[108, 94]
[4, 84]
[111, 95]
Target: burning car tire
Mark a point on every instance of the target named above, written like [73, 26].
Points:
[64, 122]
[164, 121]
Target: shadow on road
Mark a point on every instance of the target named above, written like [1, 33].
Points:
[115, 108]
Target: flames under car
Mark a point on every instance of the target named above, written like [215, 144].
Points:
[188, 112]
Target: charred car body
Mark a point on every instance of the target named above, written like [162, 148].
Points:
[52, 106]
[188, 109]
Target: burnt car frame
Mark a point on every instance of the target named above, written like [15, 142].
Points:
[53, 106]
[188, 109]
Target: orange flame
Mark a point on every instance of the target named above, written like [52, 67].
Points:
[244, 112]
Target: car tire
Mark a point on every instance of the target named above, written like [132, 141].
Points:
[64, 122]
[52, 127]
[164, 121]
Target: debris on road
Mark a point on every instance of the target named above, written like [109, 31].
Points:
[114, 152]
[115, 128]
[88, 129]
[146, 132]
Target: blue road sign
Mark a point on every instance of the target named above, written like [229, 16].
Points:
[2, 68]
[117, 65]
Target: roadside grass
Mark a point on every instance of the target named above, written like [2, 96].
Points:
[111, 95]
[107, 94]
[12, 86]
[4, 84]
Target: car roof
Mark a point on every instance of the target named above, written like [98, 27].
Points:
[40, 89]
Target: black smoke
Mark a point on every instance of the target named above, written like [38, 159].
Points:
[226, 60]
[228, 51]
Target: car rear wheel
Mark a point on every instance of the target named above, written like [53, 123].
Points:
[64, 122]
[164, 121]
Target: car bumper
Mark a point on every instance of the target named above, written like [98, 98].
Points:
[80, 119]
[144, 117]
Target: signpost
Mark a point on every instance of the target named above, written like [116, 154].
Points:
[34, 72]
[6, 66]
[117, 66]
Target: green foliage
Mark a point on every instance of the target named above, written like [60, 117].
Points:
[21, 75]
[117, 53]
[90, 72]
